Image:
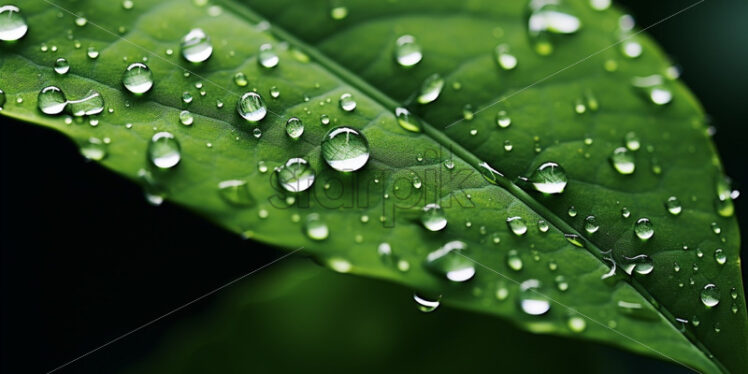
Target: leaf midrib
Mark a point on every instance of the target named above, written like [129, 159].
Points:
[456, 148]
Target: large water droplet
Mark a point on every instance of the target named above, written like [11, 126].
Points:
[433, 218]
[12, 23]
[294, 128]
[623, 160]
[345, 149]
[138, 78]
[51, 100]
[407, 51]
[236, 192]
[91, 104]
[549, 178]
[62, 66]
[347, 103]
[426, 304]
[449, 262]
[644, 228]
[164, 150]
[296, 175]
[196, 46]
[315, 228]
[430, 89]
[267, 56]
[710, 295]
[531, 300]
[251, 107]
[641, 264]
[517, 225]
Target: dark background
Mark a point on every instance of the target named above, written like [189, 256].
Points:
[86, 259]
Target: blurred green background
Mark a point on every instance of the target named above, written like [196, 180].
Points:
[85, 259]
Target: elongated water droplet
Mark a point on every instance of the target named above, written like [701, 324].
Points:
[91, 104]
[62, 66]
[13, 25]
[236, 192]
[636, 310]
[196, 46]
[644, 228]
[407, 51]
[433, 218]
[673, 205]
[449, 262]
[654, 89]
[430, 89]
[723, 203]
[251, 107]
[531, 300]
[623, 161]
[345, 149]
[590, 224]
[294, 128]
[138, 78]
[513, 260]
[51, 100]
[549, 178]
[94, 149]
[406, 120]
[720, 256]
[710, 295]
[426, 304]
[267, 56]
[641, 264]
[296, 175]
[315, 228]
[504, 58]
[517, 225]
[186, 118]
[164, 150]
[347, 103]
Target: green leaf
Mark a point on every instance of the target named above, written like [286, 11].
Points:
[322, 59]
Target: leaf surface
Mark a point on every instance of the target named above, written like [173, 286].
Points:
[322, 59]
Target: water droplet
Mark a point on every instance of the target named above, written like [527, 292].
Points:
[345, 149]
[196, 46]
[644, 228]
[543, 226]
[138, 78]
[572, 212]
[315, 228]
[632, 141]
[407, 51]
[51, 100]
[433, 218]
[449, 262]
[720, 256]
[723, 203]
[426, 304]
[94, 149]
[623, 160]
[251, 107]
[549, 178]
[576, 324]
[81, 21]
[267, 56]
[186, 118]
[631, 48]
[2, 99]
[545, 19]
[296, 175]
[600, 5]
[92, 53]
[240, 79]
[710, 295]
[186, 97]
[504, 58]
[531, 300]
[338, 12]
[468, 115]
[12, 23]
[653, 87]
[164, 150]
[274, 92]
[347, 102]
[127, 4]
[513, 260]
[636, 310]
[590, 224]
[507, 145]
[715, 228]
[561, 283]
[517, 225]
[625, 212]
[294, 128]
[324, 119]
[91, 104]
[430, 89]
[236, 192]
[502, 119]
[407, 121]
[62, 66]
[641, 264]
[673, 205]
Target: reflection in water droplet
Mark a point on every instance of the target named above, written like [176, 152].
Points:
[549, 178]
[294, 128]
[345, 149]
[51, 100]
[710, 295]
[164, 150]
[12, 23]
[449, 262]
[137, 78]
[251, 107]
[296, 175]
[644, 228]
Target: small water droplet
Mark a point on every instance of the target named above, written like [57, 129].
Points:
[251, 107]
[94, 149]
[294, 128]
[196, 47]
[723, 203]
[81, 21]
[138, 78]
[316, 229]
[274, 92]
[338, 12]
[673, 205]
[513, 260]
[324, 119]
[468, 115]
[543, 226]
[504, 58]
[531, 300]
[13, 25]
[426, 304]
[623, 161]
[590, 224]
[449, 262]
[549, 178]
[62, 66]
[517, 225]
[51, 100]
[710, 295]
[632, 141]
[92, 53]
[576, 324]
[347, 103]
[407, 51]
[654, 89]
[267, 56]
[257, 132]
[507, 145]
[164, 150]
[433, 218]
[127, 4]
[240, 79]
[345, 149]
[296, 175]
[430, 89]
[625, 212]
[600, 5]
[502, 119]
[644, 228]
[572, 212]
[186, 118]
[406, 120]
[720, 256]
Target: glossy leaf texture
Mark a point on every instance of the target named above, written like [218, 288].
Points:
[626, 133]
